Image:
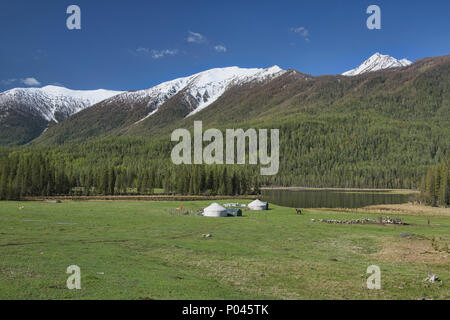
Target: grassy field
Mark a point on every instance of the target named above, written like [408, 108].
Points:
[140, 250]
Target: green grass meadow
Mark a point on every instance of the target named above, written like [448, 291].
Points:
[140, 250]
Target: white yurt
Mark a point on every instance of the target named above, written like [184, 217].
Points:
[215, 210]
[258, 205]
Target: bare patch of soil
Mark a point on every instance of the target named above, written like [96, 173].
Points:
[412, 249]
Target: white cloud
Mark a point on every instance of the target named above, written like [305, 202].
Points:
[195, 37]
[31, 82]
[142, 50]
[156, 54]
[302, 31]
[220, 48]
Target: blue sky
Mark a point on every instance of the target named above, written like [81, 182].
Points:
[135, 44]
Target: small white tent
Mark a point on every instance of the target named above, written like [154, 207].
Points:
[258, 205]
[215, 210]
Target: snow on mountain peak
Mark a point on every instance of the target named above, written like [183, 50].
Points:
[51, 100]
[208, 86]
[377, 62]
[202, 88]
[89, 96]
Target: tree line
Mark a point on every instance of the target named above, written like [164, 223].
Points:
[36, 174]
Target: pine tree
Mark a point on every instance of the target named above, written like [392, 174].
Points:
[111, 181]
[444, 189]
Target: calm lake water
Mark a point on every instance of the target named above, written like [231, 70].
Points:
[332, 198]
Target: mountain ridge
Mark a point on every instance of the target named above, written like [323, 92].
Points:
[57, 99]
[192, 94]
[254, 102]
[378, 62]
[103, 112]
[26, 112]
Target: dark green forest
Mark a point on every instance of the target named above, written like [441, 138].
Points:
[327, 152]
[435, 187]
[51, 172]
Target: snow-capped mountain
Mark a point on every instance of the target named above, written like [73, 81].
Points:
[378, 62]
[51, 102]
[199, 90]
[27, 112]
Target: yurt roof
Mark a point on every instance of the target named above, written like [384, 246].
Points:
[215, 207]
[257, 202]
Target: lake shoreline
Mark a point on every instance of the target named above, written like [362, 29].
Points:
[335, 197]
[396, 191]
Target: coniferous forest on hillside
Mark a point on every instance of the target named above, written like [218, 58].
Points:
[315, 154]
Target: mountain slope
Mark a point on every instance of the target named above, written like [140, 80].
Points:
[379, 129]
[378, 62]
[26, 112]
[285, 95]
[167, 102]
